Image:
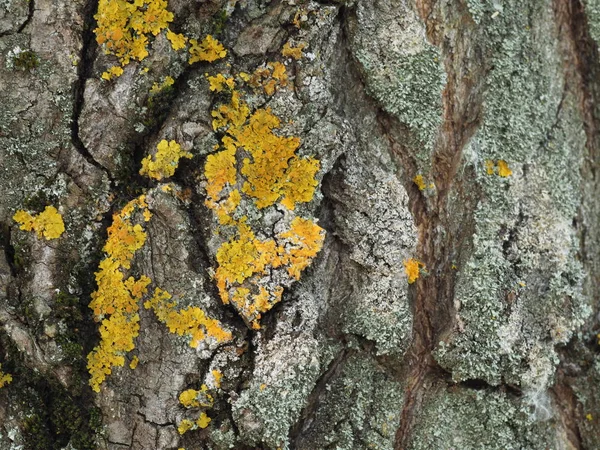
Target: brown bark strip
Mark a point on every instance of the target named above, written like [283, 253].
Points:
[441, 241]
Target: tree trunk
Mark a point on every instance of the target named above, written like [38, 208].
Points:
[382, 231]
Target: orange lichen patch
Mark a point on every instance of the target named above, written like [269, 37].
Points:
[420, 182]
[48, 224]
[165, 161]
[300, 182]
[191, 321]
[124, 28]
[293, 52]
[306, 239]
[115, 301]
[220, 171]
[208, 50]
[503, 169]
[233, 115]
[156, 88]
[219, 82]
[412, 269]
[177, 40]
[5, 378]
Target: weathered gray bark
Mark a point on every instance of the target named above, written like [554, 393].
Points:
[493, 347]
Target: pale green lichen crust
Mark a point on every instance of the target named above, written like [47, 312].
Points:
[467, 419]
[519, 293]
[352, 414]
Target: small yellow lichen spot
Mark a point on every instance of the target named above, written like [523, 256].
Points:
[113, 72]
[188, 398]
[589, 417]
[503, 169]
[185, 425]
[48, 224]
[489, 167]
[262, 386]
[203, 420]
[177, 40]
[165, 161]
[420, 182]
[412, 269]
[5, 378]
[293, 52]
[218, 82]
[134, 362]
[208, 50]
[217, 376]
[522, 284]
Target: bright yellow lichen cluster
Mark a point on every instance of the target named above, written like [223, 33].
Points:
[503, 169]
[412, 268]
[124, 28]
[256, 164]
[166, 160]
[191, 321]
[116, 300]
[48, 223]
[208, 50]
[195, 399]
[5, 378]
[219, 82]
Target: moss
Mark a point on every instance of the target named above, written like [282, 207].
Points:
[26, 60]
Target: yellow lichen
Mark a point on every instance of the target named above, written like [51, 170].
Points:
[208, 50]
[48, 224]
[165, 161]
[124, 28]
[192, 398]
[191, 321]
[412, 269]
[115, 302]
[218, 82]
[5, 378]
[271, 172]
[293, 52]
[420, 182]
[203, 420]
[113, 72]
[177, 40]
[184, 426]
[489, 167]
[134, 362]
[217, 376]
[503, 169]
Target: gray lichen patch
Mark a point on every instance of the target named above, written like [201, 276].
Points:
[352, 413]
[402, 70]
[470, 419]
[286, 371]
[519, 293]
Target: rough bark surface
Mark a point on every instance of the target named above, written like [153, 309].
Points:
[410, 106]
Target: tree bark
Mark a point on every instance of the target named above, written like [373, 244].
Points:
[455, 300]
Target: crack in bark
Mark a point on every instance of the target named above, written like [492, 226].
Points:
[84, 68]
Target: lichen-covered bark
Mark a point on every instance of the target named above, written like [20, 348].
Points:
[462, 135]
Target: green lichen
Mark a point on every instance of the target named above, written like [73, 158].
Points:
[469, 419]
[354, 414]
[519, 292]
